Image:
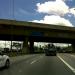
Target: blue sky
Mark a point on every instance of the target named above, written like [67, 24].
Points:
[23, 9]
[27, 10]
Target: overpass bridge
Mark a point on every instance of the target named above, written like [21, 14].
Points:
[35, 32]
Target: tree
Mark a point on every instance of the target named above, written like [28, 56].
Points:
[17, 45]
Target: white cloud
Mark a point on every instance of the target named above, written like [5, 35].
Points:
[57, 7]
[72, 10]
[56, 20]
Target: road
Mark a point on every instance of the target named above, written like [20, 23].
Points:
[39, 64]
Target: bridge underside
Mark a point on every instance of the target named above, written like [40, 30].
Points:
[36, 39]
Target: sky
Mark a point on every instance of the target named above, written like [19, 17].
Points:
[55, 12]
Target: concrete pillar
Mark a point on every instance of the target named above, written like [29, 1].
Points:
[25, 46]
[11, 45]
[73, 47]
[31, 46]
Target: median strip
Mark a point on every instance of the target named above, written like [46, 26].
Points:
[69, 66]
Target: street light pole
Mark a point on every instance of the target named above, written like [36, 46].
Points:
[12, 3]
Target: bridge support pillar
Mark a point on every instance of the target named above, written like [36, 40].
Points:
[31, 46]
[25, 49]
[73, 47]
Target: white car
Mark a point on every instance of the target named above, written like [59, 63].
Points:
[4, 60]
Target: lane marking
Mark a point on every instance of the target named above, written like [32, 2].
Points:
[72, 56]
[36, 59]
[33, 61]
[69, 66]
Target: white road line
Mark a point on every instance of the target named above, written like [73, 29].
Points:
[69, 66]
[36, 60]
[33, 61]
[72, 55]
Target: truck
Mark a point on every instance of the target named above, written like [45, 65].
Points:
[50, 50]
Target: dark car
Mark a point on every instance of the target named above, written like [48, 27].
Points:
[50, 50]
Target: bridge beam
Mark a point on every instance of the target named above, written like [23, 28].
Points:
[25, 49]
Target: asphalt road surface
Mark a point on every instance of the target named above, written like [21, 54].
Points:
[62, 64]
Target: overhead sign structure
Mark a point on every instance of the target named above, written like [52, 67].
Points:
[36, 34]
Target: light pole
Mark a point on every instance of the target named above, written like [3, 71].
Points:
[12, 14]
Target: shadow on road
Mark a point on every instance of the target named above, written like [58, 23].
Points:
[3, 68]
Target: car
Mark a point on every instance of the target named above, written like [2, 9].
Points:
[4, 60]
[50, 50]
